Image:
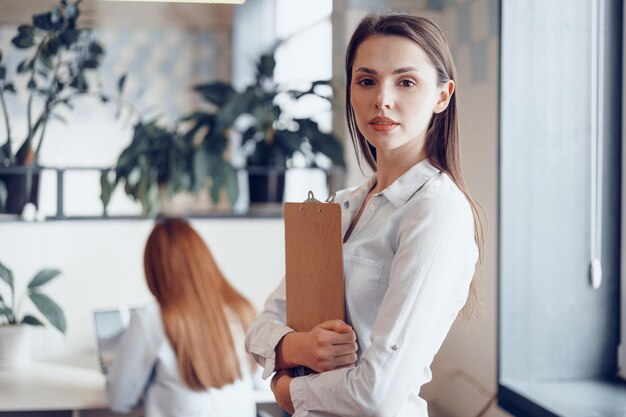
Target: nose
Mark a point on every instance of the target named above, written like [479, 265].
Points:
[384, 98]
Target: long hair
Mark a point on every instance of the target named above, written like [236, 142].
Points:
[442, 136]
[196, 304]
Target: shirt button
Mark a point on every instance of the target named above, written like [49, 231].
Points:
[394, 347]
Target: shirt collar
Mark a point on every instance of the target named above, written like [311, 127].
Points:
[399, 192]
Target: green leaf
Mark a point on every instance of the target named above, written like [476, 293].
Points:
[96, 48]
[43, 277]
[91, 64]
[69, 37]
[200, 169]
[0, 56]
[53, 45]
[51, 311]
[32, 85]
[266, 65]
[6, 312]
[26, 30]
[25, 66]
[3, 72]
[44, 58]
[106, 190]
[120, 83]
[7, 275]
[218, 93]
[232, 186]
[32, 320]
[49, 21]
[80, 83]
[4, 193]
[10, 87]
[23, 41]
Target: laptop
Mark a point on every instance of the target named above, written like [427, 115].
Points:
[109, 327]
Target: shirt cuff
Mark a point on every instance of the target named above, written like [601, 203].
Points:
[269, 364]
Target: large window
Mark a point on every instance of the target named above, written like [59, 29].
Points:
[560, 170]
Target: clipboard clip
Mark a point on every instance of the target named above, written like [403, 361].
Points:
[311, 198]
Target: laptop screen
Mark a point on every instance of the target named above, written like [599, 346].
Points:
[109, 327]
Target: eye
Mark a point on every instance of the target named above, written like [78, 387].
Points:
[407, 83]
[365, 82]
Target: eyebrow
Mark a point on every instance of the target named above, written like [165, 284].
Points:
[398, 71]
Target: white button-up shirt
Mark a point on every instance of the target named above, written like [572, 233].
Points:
[145, 362]
[408, 265]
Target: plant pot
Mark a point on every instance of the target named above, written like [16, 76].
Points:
[22, 186]
[14, 346]
[266, 185]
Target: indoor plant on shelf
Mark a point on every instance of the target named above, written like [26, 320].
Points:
[269, 137]
[14, 347]
[163, 164]
[54, 72]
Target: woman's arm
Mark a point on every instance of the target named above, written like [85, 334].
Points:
[428, 285]
[276, 346]
[132, 366]
[330, 345]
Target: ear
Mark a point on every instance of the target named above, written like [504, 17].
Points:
[445, 94]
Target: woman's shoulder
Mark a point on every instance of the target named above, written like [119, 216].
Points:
[441, 197]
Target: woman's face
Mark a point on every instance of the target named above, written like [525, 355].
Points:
[394, 93]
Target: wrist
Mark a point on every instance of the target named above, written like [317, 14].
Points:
[289, 351]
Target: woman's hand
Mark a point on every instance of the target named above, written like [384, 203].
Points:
[280, 387]
[330, 345]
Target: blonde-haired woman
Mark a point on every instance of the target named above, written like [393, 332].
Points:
[186, 352]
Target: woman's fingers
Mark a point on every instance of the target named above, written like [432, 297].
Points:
[345, 360]
[344, 349]
[338, 326]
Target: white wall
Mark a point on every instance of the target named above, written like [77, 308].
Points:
[102, 267]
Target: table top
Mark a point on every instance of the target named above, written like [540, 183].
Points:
[63, 386]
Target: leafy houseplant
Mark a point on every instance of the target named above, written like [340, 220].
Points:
[10, 314]
[61, 55]
[166, 161]
[274, 136]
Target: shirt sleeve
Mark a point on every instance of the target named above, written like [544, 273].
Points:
[428, 285]
[267, 329]
[132, 365]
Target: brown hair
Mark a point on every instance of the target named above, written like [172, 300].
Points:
[442, 137]
[195, 301]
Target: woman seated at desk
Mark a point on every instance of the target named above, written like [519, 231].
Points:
[186, 353]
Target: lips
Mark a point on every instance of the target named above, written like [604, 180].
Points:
[383, 124]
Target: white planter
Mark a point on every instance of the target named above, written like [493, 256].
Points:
[14, 346]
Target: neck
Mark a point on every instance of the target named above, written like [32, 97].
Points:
[392, 165]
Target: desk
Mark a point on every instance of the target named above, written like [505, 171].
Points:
[61, 387]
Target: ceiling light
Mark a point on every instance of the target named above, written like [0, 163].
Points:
[184, 1]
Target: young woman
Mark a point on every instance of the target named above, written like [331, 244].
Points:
[186, 353]
[411, 237]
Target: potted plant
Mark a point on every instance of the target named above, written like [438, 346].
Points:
[270, 138]
[60, 55]
[163, 165]
[14, 326]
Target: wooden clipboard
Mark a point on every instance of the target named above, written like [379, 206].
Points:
[314, 263]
